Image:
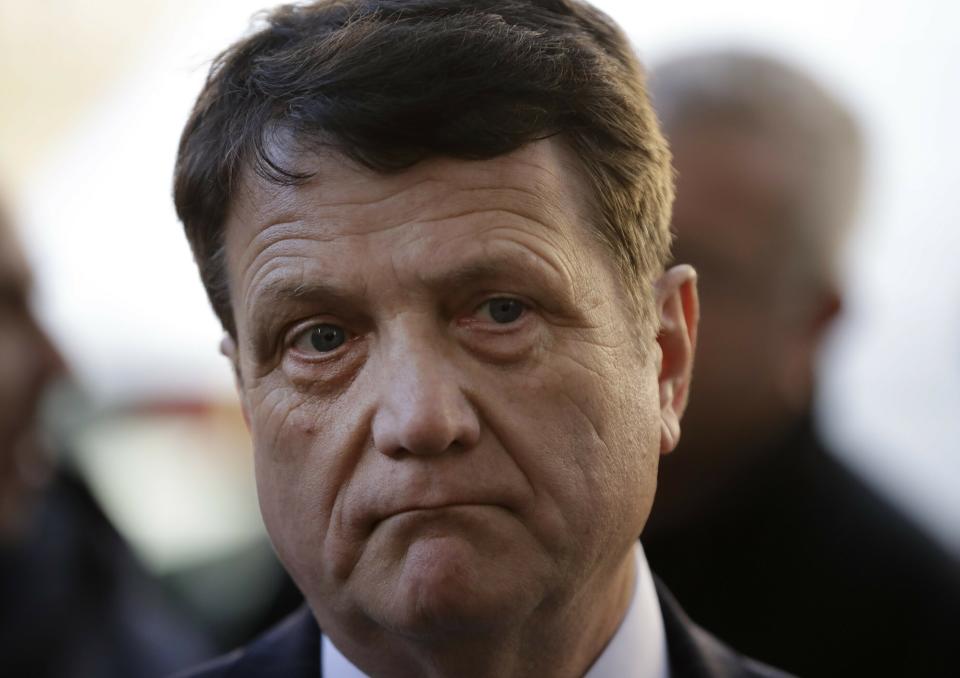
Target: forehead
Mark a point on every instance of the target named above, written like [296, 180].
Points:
[543, 176]
[349, 222]
[361, 241]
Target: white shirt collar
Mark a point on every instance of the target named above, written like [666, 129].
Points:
[639, 647]
[637, 650]
[334, 664]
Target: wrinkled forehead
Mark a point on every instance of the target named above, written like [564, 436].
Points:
[544, 174]
[546, 170]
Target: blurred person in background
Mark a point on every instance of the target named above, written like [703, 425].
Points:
[29, 363]
[74, 602]
[763, 534]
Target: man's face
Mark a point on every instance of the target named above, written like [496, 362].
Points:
[731, 219]
[28, 363]
[453, 420]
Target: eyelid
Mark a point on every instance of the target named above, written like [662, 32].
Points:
[527, 305]
[487, 297]
[293, 336]
[503, 295]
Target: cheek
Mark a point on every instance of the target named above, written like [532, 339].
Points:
[586, 435]
[622, 409]
[303, 461]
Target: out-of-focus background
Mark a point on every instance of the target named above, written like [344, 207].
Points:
[93, 99]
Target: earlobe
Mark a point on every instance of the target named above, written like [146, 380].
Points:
[679, 313]
[228, 348]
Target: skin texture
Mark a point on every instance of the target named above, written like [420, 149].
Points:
[454, 495]
[28, 364]
[765, 311]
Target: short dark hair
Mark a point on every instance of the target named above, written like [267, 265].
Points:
[388, 83]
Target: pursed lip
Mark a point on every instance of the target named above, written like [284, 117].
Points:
[426, 507]
[410, 491]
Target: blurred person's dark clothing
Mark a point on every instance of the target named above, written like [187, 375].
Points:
[75, 602]
[805, 567]
[764, 536]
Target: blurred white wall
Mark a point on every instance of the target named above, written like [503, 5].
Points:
[121, 295]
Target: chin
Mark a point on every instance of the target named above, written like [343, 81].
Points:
[445, 585]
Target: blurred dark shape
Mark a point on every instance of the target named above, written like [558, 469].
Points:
[765, 536]
[29, 363]
[77, 603]
[73, 599]
[235, 593]
[239, 594]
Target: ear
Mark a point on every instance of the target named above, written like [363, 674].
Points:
[228, 347]
[679, 312]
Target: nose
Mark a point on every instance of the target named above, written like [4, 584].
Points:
[423, 409]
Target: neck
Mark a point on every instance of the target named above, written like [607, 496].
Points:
[557, 639]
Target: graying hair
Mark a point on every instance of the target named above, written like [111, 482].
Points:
[783, 106]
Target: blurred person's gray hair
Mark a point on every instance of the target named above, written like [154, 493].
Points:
[769, 99]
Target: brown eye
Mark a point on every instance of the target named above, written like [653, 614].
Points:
[504, 310]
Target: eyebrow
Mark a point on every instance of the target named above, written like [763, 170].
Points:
[479, 270]
[281, 290]
[469, 273]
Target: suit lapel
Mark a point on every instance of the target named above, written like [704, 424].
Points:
[694, 653]
[292, 649]
[289, 650]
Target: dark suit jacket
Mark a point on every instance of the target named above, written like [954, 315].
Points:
[292, 650]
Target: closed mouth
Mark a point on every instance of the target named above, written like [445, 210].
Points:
[427, 509]
[447, 505]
